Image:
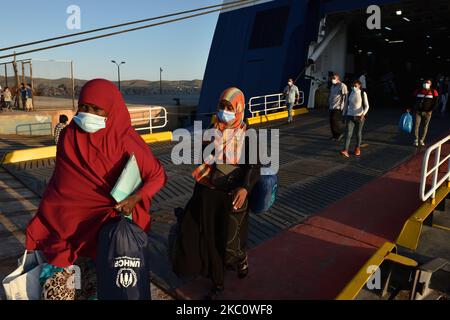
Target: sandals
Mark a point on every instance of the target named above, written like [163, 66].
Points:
[242, 268]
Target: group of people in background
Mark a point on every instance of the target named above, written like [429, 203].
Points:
[8, 98]
[350, 107]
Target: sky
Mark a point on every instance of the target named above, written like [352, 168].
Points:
[180, 48]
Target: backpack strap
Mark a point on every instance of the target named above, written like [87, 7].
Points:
[364, 93]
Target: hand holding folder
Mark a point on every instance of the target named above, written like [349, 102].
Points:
[129, 181]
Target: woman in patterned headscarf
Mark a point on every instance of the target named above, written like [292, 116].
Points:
[213, 230]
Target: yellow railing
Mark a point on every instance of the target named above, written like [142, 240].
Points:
[386, 252]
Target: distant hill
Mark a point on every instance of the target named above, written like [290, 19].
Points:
[62, 87]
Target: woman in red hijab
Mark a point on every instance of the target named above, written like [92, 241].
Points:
[91, 154]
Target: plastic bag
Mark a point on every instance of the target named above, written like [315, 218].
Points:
[265, 191]
[406, 123]
[23, 283]
[123, 271]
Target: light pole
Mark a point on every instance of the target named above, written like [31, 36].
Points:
[160, 80]
[118, 70]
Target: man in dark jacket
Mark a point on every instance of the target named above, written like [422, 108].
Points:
[426, 100]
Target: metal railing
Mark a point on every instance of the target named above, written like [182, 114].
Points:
[434, 170]
[41, 129]
[263, 104]
[148, 118]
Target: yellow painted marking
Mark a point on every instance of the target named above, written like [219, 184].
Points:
[157, 137]
[29, 154]
[355, 285]
[401, 260]
[409, 238]
[410, 234]
[275, 116]
[50, 152]
[441, 227]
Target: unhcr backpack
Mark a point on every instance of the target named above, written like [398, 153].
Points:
[123, 271]
[406, 123]
[265, 191]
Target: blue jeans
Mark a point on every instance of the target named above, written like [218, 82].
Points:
[290, 106]
[353, 122]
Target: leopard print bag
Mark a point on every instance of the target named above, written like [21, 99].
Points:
[61, 284]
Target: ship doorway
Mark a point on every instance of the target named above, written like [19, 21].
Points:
[410, 46]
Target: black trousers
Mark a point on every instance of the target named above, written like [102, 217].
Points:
[211, 236]
[336, 123]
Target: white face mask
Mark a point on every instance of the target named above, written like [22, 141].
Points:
[89, 122]
[226, 116]
[426, 86]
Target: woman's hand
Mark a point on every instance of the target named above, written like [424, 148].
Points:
[239, 198]
[127, 206]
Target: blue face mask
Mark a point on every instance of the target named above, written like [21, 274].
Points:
[225, 116]
[89, 122]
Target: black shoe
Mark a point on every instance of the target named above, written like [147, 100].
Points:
[242, 268]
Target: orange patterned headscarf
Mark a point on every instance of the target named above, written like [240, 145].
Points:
[236, 98]
[233, 134]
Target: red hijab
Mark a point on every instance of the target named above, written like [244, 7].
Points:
[77, 200]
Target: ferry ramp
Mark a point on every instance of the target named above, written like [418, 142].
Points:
[312, 178]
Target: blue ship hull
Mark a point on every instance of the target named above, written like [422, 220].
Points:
[241, 56]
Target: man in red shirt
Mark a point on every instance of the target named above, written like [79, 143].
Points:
[426, 100]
